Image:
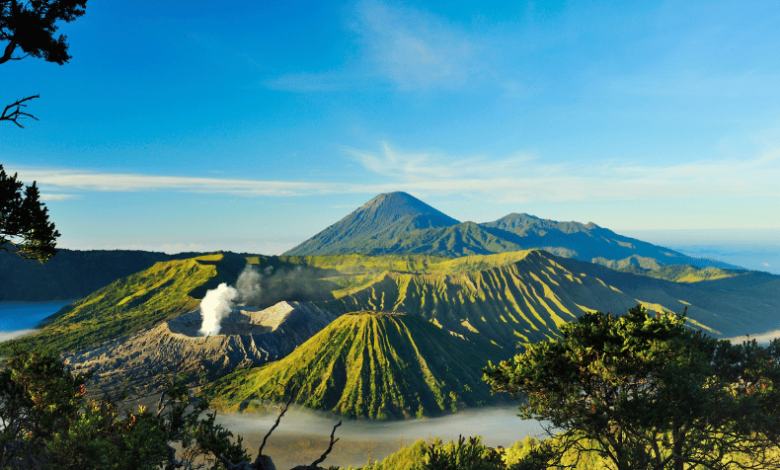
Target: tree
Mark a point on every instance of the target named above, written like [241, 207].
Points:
[47, 421]
[645, 392]
[25, 229]
[30, 27]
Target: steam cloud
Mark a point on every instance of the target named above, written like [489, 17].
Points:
[216, 304]
[286, 284]
[248, 285]
[219, 302]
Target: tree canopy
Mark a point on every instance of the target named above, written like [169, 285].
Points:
[645, 392]
[31, 27]
[25, 228]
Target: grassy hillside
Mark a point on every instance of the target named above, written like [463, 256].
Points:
[501, 299]
[496, 299]
[379, 365]
[139, 301]
[682, 273]
[744, 302]
[522, 296]
[70, 274]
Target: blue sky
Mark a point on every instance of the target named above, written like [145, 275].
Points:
[250, 126]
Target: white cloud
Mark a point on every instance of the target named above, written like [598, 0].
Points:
[124, 182]
[762, 338]
[518, 178]
[523, 178]
[58, 197]
[410, 49]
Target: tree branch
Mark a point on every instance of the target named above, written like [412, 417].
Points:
[330, 447]
[13, 115]
[8, 53]
[278, 419]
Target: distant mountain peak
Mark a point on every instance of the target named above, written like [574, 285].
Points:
[399, 204]
[370, 219]
[399, 223]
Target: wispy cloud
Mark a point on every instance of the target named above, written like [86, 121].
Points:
[126, 182]
[58, 197]
[518, 178]
[415, 49]
[524, 178]
[409, 49]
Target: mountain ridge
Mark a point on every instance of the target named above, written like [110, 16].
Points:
[404, 228]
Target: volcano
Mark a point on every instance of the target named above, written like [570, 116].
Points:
[368, 364]
[247, 338]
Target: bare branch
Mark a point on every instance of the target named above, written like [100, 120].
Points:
[13, 115]
[8, 53]
[278, 418]
[330, 447]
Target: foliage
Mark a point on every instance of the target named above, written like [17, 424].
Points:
[646, 392]
[461, 455]
[406, 457]
[48, 423]
[25, 229]
[31, 27]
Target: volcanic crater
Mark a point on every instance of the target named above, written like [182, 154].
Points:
[246, 338]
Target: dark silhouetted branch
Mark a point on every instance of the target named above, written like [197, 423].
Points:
[330, 447]
[13, 112]
[278, 418]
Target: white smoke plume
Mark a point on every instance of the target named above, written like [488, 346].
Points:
[216, 304]
[248, 285]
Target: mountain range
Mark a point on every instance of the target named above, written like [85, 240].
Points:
[417, 313]
[398, 223]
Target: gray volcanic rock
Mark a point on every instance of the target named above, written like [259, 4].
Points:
[246, 339]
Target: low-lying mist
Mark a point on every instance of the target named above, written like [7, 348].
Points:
[302, 431]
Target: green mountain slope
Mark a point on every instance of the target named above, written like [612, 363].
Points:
[520, 298]
[523, 296]
[397, 223]
[130, 304]
[373, 217]
[458, 240]
[744, 302]
[495, 299]
[379, 365]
